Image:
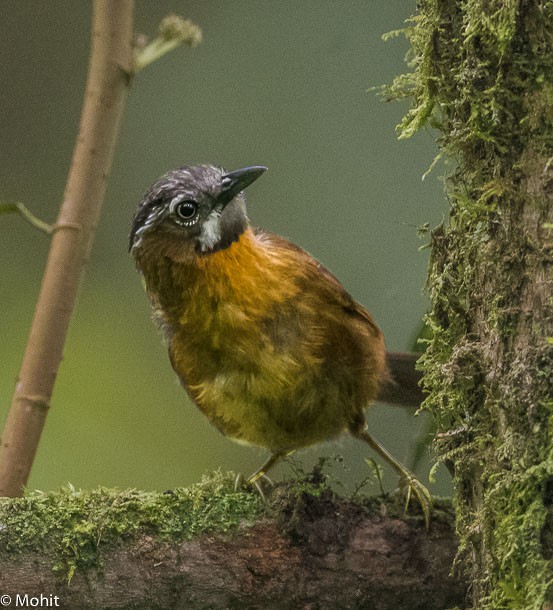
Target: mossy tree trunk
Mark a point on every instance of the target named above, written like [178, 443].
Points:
[483, 76]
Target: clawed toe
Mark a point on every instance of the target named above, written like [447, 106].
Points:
[410, 485]
[253, 481]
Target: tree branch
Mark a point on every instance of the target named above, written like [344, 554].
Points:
[211, 547]
[110, 63]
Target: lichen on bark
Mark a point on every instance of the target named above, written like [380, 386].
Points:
[483, 77]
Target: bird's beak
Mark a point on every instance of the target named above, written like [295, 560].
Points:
[234, 182]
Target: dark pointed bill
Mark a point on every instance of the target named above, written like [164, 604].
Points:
[236, 181]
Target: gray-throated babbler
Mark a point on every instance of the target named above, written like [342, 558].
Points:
[266, 341]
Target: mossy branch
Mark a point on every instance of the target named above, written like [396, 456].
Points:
[212, 546]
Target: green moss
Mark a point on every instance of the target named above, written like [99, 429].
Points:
[523, 574]
[483, 77]
[72, 526]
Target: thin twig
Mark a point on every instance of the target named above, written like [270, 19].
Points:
[25, 213]
[174, 31]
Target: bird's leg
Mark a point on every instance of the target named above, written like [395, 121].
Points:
[262, 472]
[408, 481]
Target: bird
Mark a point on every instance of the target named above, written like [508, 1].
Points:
[265, 340]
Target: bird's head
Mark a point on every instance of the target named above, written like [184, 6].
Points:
[200, 206]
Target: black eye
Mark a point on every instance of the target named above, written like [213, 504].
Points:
[186, 210]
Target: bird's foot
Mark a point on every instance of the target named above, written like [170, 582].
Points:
[253, 481]
[408, 482]
[413, 488]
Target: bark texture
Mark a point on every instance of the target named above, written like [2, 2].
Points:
[309, 549]
[484, 77]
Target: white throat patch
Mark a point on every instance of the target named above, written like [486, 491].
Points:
[211, 231]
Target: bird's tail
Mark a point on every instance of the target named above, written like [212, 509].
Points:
[402, 386]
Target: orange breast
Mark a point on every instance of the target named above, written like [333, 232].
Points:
[262, 343]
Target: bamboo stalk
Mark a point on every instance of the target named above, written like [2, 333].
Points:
[110, 68]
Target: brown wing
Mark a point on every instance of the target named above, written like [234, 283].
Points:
[338, 292]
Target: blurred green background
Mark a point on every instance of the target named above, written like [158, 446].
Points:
[280, 84]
